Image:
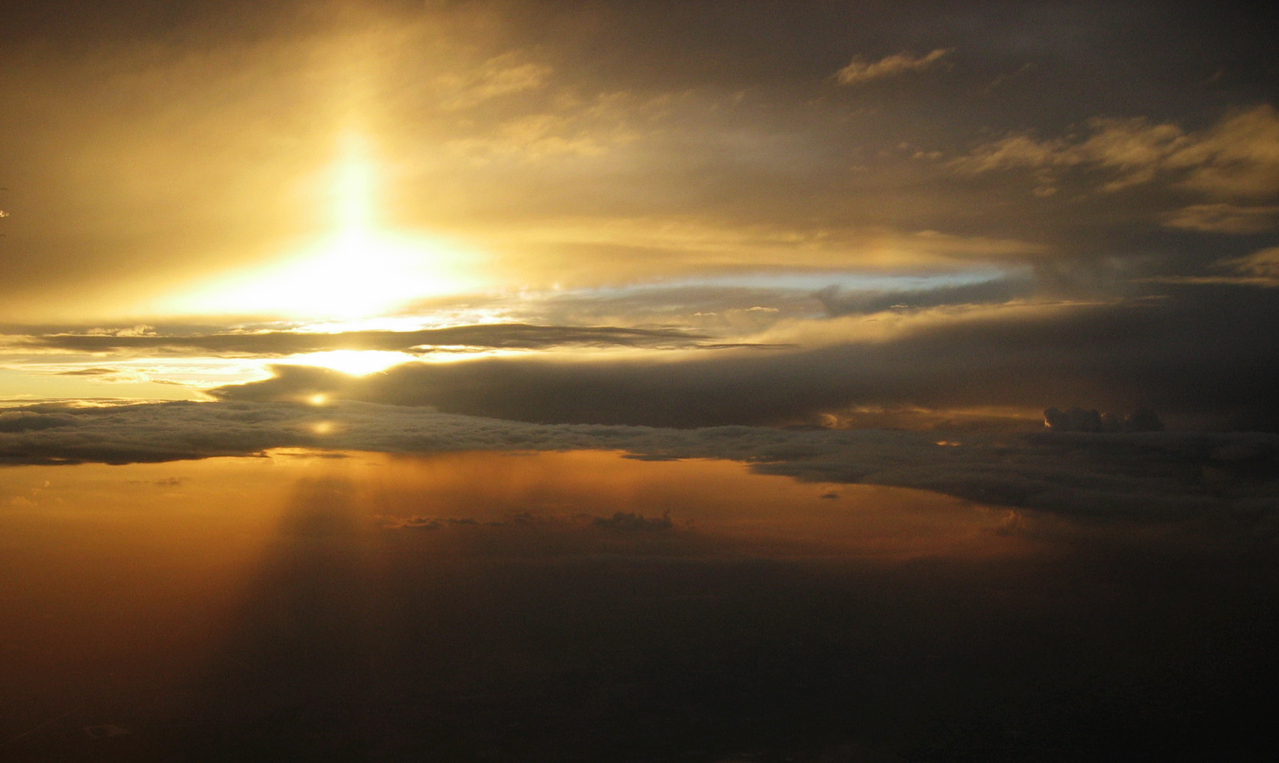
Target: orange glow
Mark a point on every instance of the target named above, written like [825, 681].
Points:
[361, 268]
[353, 362]
[774, 514]
[137, 583]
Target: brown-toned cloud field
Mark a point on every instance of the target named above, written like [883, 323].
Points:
[501, 380]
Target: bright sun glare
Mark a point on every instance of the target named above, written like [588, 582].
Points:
[354, 362]
[359, 269]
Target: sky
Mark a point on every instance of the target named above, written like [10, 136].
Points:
[932, 206]
[1020, 258]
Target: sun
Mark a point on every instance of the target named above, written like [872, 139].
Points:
[359, 268]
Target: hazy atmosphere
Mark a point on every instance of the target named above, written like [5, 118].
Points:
[637, 381]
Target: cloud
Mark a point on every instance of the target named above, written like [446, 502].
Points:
[1239, 156]
[280, 343]
[1196, 356]
[1152, 475]
[995, 291]
[684, 246]
[568, 127]
[1223, 218]
[1261, 268]
[90, 372]
[862, 70]
[499, 76]
[1262, 264]
[628, 522]
[1236, 157]
[1092, 420]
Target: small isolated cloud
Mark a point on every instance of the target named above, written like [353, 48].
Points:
[628, 522]
[861, 70]
[430, 523]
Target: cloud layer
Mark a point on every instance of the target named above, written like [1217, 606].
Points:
[1194, 361]
[1153, 475]
[278, 343]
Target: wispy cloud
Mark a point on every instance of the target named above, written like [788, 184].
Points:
[499, 76]
[1264, 263]
[1260, 268]
[861, 70]
[1237, 157]
[1223, 218]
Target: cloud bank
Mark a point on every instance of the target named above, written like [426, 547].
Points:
[1152, 475]
[1192, 360]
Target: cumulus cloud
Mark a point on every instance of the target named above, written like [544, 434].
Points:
[1153, 475]
[861, 70]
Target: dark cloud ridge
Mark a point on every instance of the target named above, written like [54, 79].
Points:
[1195, 356]
[279, 343]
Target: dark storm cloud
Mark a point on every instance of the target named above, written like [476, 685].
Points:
[1154, 475]
[277, 343]
[1196, 358]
